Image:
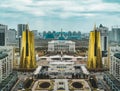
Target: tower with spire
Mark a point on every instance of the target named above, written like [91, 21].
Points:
[27, 59]
[61, 36]
[94, 51]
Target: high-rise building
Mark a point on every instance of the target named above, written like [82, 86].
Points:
[36, 34]
[3, 29]
[8, 77]
[116, 33]
[104, 44]
[104, 39]
[115, 65]
[94, 51]
[21, 28]
[73, 35]
[112, 77]
[115, 61]
[11, 40]
[44, 34]
[27, 60]
[85, 35]
[110, 36]
[69, 33]
[6, 62]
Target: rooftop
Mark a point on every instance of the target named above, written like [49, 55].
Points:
[85, 71]
[61, 41]
[59, 63]
[37, 70]
[3, 55]
[9, 79]
[117, 55]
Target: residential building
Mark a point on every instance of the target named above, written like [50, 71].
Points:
[112, 77]
[113, 83]
[6, 62]
[115, 65]
[115, 62]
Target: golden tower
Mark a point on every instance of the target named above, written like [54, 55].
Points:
[27, 59]
[94, 51]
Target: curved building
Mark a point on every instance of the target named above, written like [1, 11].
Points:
[115, 65]
[27, 59]
[94, 51]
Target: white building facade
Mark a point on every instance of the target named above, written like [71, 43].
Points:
[115, 66]
[61, 69]
[115, 62]
[61, 45]
[6, 62]
[62, 66]
[116, 33]
[11, 37]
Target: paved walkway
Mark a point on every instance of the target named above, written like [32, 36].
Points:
[64, 85]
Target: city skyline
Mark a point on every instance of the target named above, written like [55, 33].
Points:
[69, 54]
[70, 15]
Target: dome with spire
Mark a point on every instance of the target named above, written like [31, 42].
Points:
[61, 36]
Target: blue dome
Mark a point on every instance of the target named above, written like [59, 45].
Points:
[61, 38]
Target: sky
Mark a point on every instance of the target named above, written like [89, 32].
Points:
[70, 15]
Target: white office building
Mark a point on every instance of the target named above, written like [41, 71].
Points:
[61, 45]
[6, 62]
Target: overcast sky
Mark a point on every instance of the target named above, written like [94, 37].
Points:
[70, 15]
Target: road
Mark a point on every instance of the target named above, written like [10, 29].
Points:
[19, 83]
[107, 88]
[99, 77]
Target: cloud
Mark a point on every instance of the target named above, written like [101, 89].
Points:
[49, 7]
[112, 1]
[58, 10]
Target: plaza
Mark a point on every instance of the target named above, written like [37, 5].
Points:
[61, 85]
